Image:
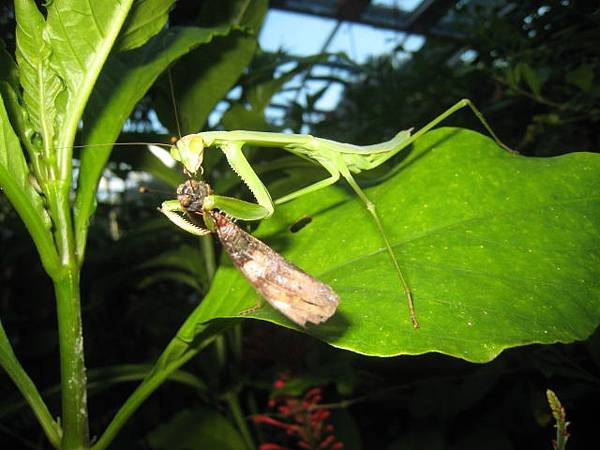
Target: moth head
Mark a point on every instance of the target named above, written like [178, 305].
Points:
[192, 194]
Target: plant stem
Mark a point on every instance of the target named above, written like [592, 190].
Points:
[72, 367]
[174, 356]
[208, 249]
[234, 406]
[15, 371]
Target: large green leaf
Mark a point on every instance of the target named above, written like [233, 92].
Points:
[500, 251]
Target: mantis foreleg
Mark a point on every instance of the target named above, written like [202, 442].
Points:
[241, 166]
[171, 209]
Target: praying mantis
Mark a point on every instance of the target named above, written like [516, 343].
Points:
[341, 160]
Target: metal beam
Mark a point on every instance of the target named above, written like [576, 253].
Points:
[423, 20]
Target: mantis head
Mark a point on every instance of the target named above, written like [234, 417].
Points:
[189, 151]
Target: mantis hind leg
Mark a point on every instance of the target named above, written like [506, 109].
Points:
[465, 102]
[373, 211]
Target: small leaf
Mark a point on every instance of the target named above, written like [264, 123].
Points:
[582, 77]
[531, 78]
[40, 82]
[15, 182]
[10, 91]
[560, 418]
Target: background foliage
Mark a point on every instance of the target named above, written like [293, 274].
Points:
[533, 75]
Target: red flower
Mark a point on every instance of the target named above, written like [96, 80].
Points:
[303, 420]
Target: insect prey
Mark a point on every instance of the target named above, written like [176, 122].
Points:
[296, 294]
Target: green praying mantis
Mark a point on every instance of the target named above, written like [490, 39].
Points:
[339, 159]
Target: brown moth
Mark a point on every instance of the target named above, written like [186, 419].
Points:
[296, 294]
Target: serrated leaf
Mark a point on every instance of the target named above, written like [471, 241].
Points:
[10, 90]
[500, 251]
[40, 82]
[15, 182]
[82, 34]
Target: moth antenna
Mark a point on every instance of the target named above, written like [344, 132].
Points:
[121, 144]
[146, 190]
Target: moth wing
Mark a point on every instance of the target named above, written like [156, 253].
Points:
[286, 287]
[298, 295]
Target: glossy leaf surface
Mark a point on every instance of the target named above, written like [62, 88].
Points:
[500, 251]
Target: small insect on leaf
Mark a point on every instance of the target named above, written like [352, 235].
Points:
[299, 224]
[299, 296]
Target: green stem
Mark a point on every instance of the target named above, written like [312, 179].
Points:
[72, 367]
[175, 355]
[15, 371]
[231, 397]
[208, 250]
[236, 411]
